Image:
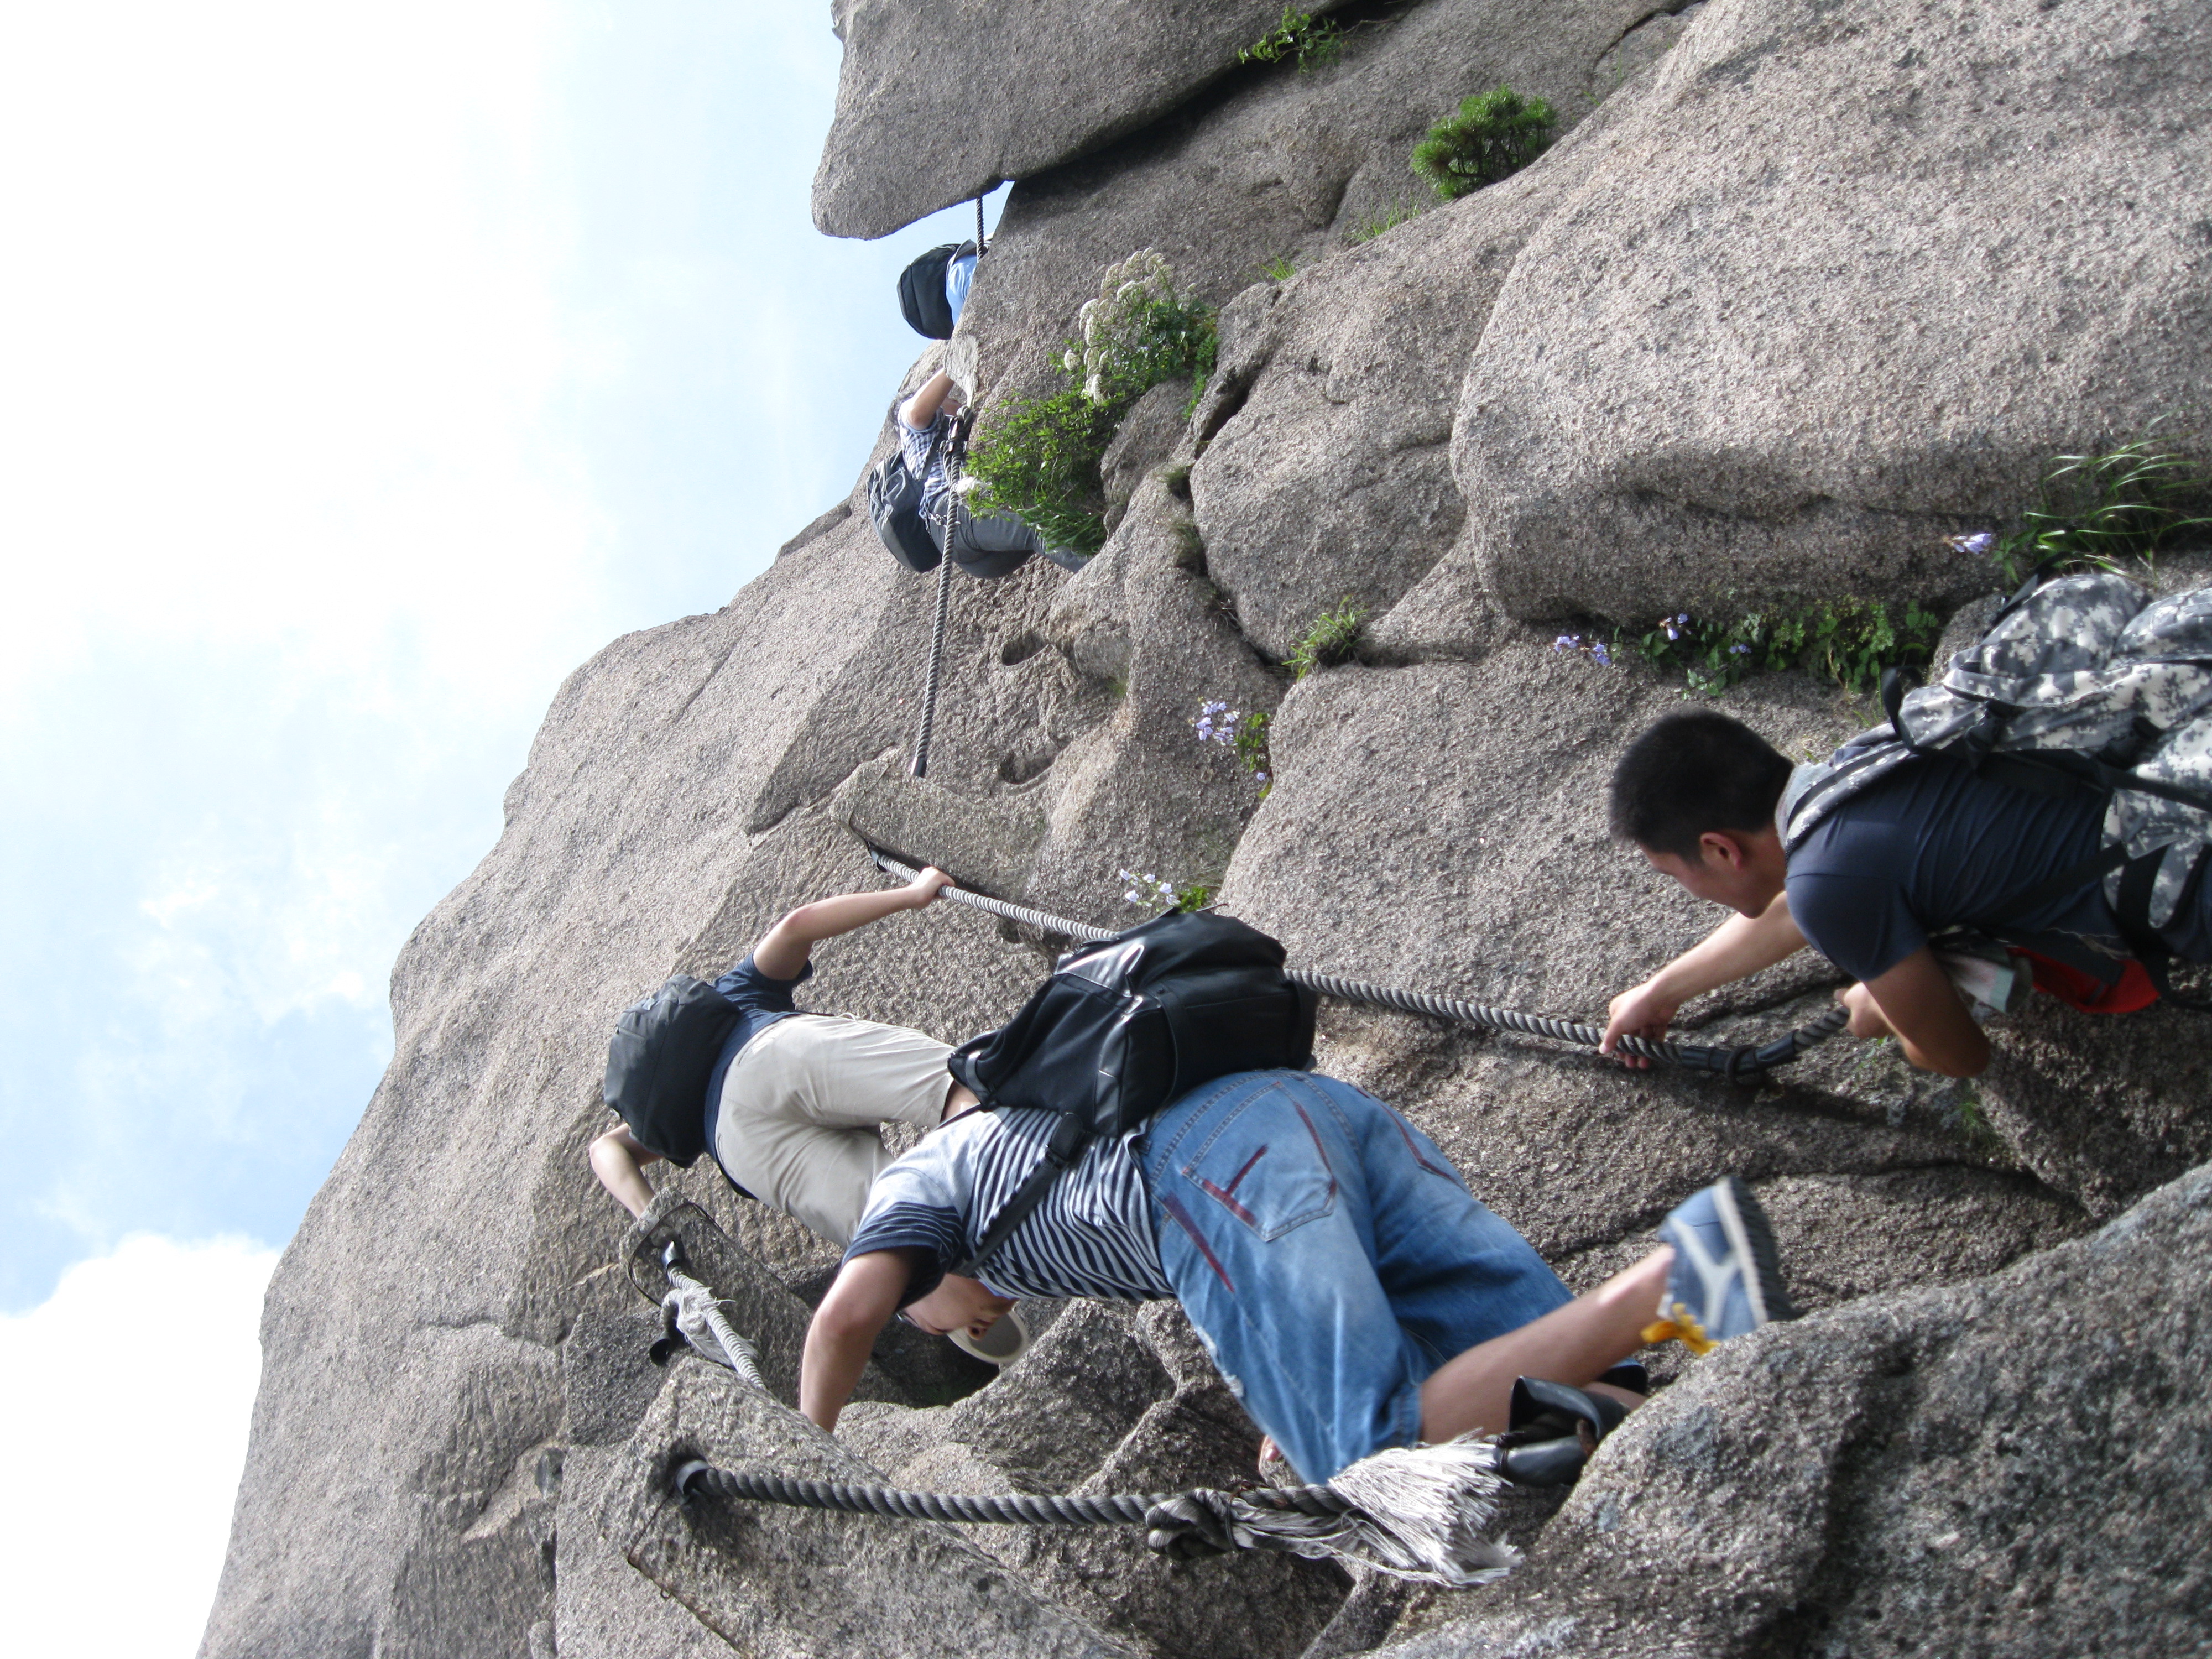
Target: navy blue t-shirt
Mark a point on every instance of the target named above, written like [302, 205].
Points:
[1932, 846]
[761, 1002]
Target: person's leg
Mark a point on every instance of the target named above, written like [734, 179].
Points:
[1461, 1279]
[1716, 1275]
[1264, 1232]
[999, 544]
[1456, 1274]
[1573, 1344]
[993, 546]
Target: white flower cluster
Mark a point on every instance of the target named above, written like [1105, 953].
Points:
[1103, 322]
[1146, 889]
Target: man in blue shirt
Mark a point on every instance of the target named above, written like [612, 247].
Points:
[794, 1106]
[1930, 846]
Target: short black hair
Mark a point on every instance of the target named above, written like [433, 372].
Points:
[1691, 772]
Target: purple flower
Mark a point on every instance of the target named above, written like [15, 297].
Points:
[1739, 651]
[1684, 619]
[1597, 650]
[1567, 642]
[1260, 776]
[1977, 543]
[1672, 632]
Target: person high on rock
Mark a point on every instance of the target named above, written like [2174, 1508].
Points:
[996, 545]
[794, 1107]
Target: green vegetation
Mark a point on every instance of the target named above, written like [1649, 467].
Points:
[1971, 1123]
[1038, 457]
[1315, 42]
[1193, 896]
[2100, 512]
[1243, 734]
[1280, 269]
[1383, 222]
[1333, 638]
[1850, 642]
[1493, 135]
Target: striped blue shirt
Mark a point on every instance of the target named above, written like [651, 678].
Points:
[1091, 1237]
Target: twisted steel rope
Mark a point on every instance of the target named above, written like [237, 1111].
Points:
[936, 662]
[1740, 1063]
[1014, 1509]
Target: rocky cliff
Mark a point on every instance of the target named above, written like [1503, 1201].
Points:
[1804, 289]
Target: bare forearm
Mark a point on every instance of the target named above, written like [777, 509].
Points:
[922, 409]
[1737, 948]
[829, 1370]
[843, 1332]
[783, 949]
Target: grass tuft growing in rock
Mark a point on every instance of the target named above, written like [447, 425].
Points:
[2102, 512]
[1333, 638]
[1492, 136]
[1382, 223]
[1038, 457]
[1315, 42]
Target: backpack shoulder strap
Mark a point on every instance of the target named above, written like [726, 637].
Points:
[1066, 1145]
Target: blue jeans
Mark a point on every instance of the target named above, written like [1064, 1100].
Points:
[1330, 1256]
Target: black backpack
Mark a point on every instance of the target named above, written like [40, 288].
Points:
[894, 509]
[1128, 1025]
[921, 290]
[664, 1047]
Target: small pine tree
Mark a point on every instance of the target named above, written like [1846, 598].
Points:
[1493, 135]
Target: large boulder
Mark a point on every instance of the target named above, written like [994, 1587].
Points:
[1835, 291]
[938, 100]
[2011, 1465]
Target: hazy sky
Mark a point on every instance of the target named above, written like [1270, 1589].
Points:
[361, 372]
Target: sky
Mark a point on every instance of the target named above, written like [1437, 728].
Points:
[363, 371]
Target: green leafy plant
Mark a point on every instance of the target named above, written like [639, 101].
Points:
[2102, 512]
[1193, 896]
[1333, 638]
[1850, 642]
[1280, 269]
[1315, 42]
[1382, 223]
[1492, 136]
[1038, 457]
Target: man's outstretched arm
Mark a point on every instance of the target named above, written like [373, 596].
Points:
[1736, 950]
[844, 1330]
[1916, 1003]
[783, 949]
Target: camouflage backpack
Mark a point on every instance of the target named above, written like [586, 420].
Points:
[2080, 682]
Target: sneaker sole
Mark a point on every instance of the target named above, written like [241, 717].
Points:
[1753, 1240]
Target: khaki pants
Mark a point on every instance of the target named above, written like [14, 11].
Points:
[800, 1107]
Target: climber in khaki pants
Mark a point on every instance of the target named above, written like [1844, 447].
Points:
[794, 1104]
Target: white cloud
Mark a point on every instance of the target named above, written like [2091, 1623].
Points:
[126, 1396]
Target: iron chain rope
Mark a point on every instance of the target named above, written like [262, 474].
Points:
[1740, 1063]
[936, 662]
[1019, 1509]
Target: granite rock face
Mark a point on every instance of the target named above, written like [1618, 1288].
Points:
[940, 100]
[2012, 1465]
[1800, 290]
